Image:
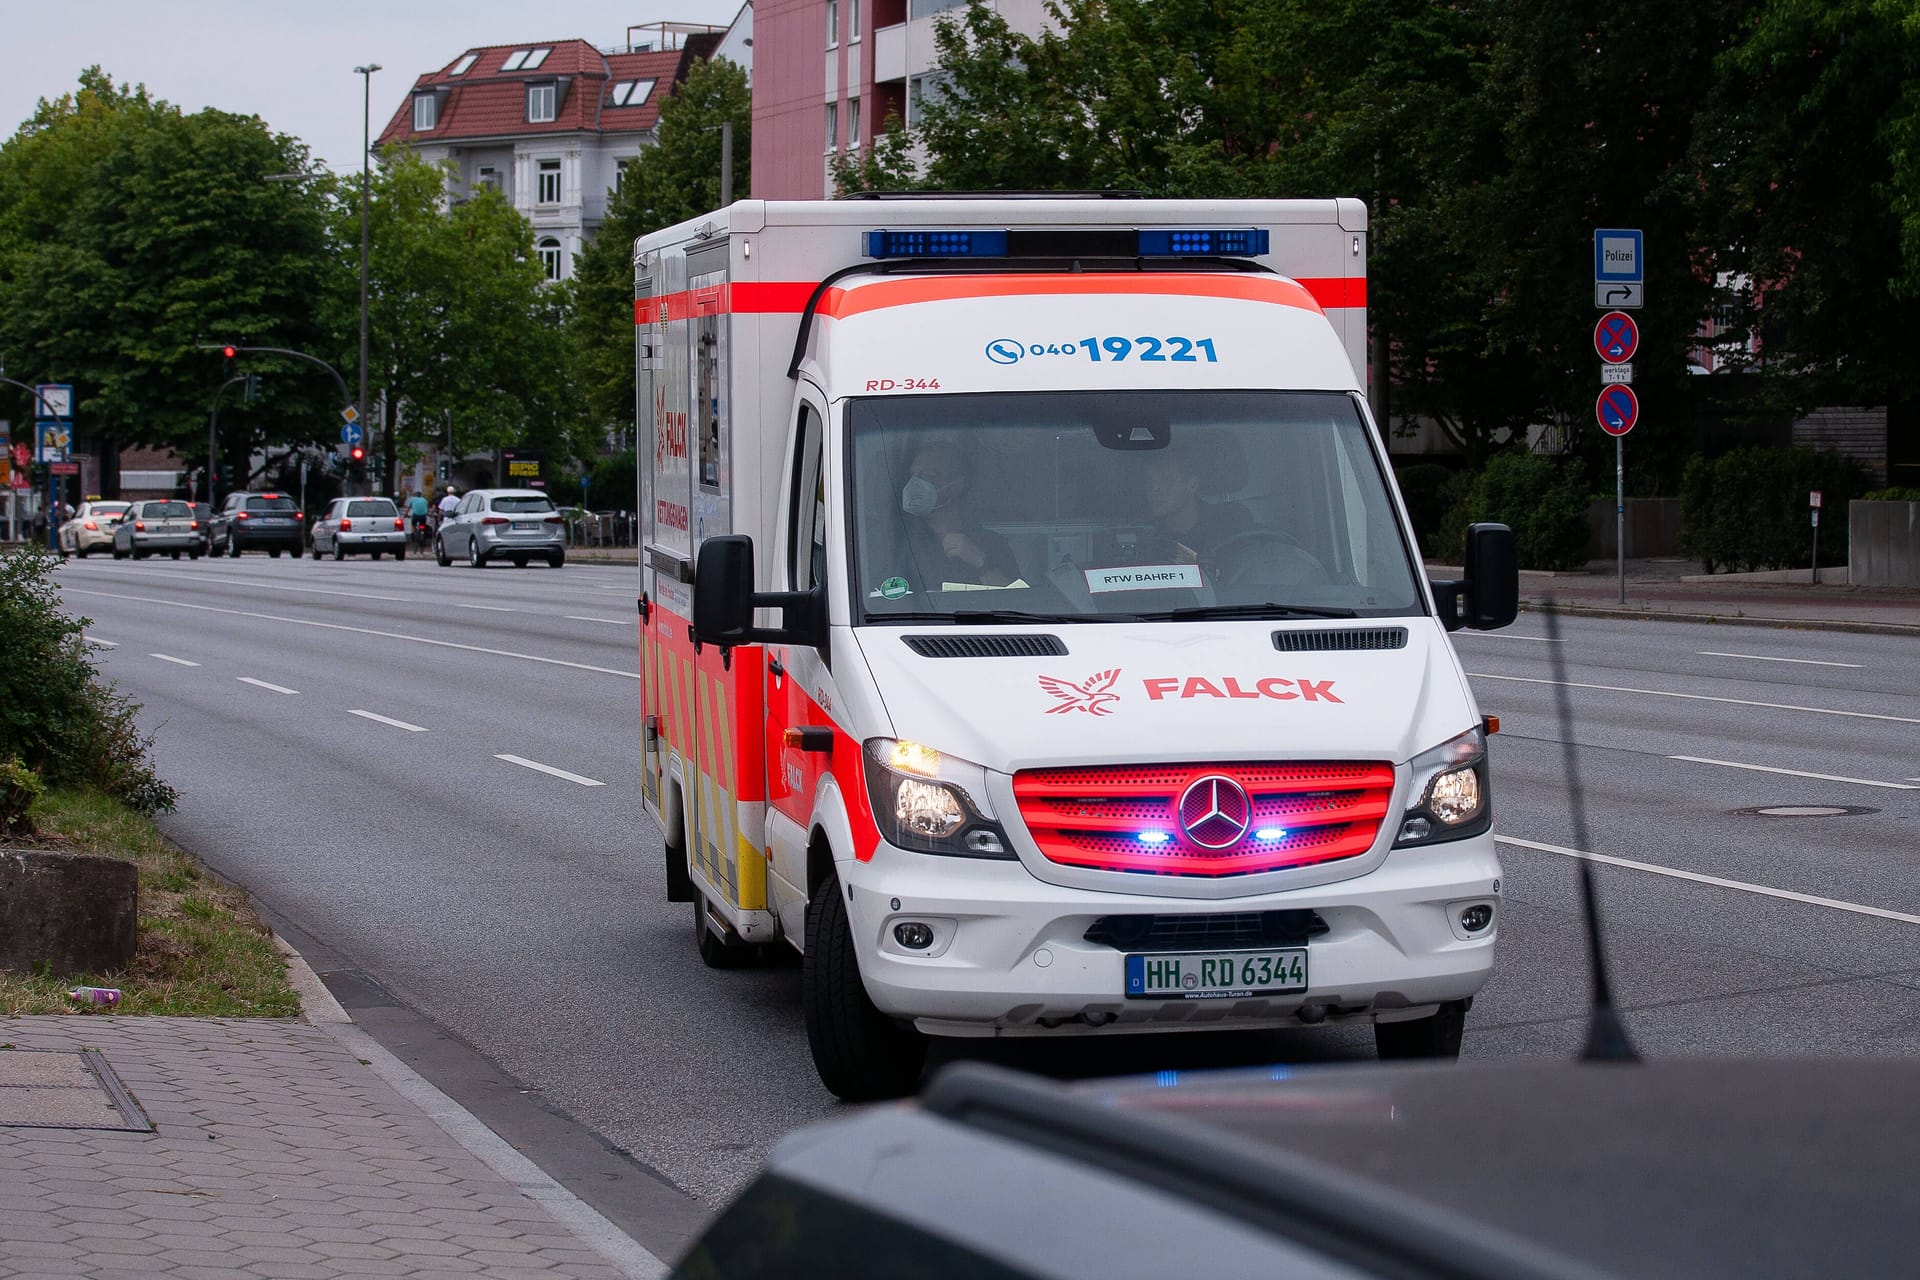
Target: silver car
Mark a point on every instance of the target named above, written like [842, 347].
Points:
[352, 526]
[503, 524]
[148, 527]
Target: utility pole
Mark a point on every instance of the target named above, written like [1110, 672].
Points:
[366, 124]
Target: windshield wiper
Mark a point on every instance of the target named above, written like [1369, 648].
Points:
[1269, 610]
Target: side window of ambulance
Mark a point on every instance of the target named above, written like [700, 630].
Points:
[807, 518]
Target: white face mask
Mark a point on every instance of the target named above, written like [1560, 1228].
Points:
[920, 496]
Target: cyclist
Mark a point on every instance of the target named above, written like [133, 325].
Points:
[417, 518]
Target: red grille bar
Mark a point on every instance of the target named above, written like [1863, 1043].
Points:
[1096, 817]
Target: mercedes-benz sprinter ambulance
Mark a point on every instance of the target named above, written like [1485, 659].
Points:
[1033, 636]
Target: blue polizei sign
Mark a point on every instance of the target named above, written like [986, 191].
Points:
[1618, 256]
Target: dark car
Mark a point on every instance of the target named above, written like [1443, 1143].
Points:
[265, 521]
[203, 513]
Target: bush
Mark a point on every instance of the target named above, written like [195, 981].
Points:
[1747, 510]
[19, 788]
[615, 485]
[57, 717]
[1895, 494]
[1543, 501]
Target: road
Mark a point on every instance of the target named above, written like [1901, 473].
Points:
[431, 775]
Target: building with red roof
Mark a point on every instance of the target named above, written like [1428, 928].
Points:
[551, 124]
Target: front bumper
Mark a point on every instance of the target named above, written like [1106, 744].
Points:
[1010, 955]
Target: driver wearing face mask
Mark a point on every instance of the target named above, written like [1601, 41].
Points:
[948, 545]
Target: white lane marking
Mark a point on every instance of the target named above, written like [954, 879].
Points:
[1765, 891]
[182, 662]
[262, 684]
[581, 617]
[1797, 773]
[264, 585]
[104, 644]
[1699, 697]
[1501, 635]
[398, 724]
[1761, 657]
[490, 608]
[547, 768]
[364, 631]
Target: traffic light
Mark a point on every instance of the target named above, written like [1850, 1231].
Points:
[229, 352]
[357, 454]
[446, 470]
[252, 388]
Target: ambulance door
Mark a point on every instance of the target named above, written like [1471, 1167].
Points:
[800, 731]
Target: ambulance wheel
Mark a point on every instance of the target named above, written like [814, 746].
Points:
[719, 950]
[862, 1055]
[1435, 1036]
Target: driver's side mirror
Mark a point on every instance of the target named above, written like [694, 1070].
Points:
[1488, 596]
[724, 600]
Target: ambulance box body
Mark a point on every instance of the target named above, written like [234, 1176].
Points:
[1033, 635]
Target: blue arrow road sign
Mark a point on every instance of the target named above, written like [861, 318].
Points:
[1617, 256]
[352, 433]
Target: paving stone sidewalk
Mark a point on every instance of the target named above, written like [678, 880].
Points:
[274, 1152]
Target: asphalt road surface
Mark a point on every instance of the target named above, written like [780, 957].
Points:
[433, 772]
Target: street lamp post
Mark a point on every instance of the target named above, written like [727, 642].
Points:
[366, 123]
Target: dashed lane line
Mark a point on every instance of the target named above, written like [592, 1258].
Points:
[1765, 891]
[265, 585]
[549, 769]
[1699, 697]
[1502, 635]
[262, 684]
[1799, 773]
[581, 617]
[489, 608]
[104, 644]
[364, 631]
[389, 720]
[1761, 657]
[167, 657]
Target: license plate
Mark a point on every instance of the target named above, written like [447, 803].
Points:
[1215, 975]
[526, 526]
[273, 519]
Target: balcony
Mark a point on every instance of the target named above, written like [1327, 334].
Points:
[890, 53]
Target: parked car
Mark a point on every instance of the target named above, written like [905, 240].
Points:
[203, 512]
[351, 526]
[163, 526]
[91, 528]
[503, 524]
[264, 521]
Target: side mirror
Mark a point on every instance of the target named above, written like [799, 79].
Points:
[724, 601]
[1488, 597]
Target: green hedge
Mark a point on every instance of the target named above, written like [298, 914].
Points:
[1747, 510]
[1543, 500]
[1895, 494]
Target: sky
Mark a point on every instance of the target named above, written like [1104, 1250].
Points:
[289, 63]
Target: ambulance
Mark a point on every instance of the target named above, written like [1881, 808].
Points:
[1033, 636]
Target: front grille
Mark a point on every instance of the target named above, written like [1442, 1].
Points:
[1221, 931]
[1341, 638]
[990, 646]
[1127, 818]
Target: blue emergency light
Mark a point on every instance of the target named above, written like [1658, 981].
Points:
[1091, 242]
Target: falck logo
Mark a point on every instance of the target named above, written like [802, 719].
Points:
[1095, 696]
[1215, 812]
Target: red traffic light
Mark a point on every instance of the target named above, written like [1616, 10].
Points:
[357, 453]
[230, 352]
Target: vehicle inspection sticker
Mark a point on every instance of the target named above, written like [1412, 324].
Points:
[894, 588]
[1143, 577]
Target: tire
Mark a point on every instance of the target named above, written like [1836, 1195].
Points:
[376, 555]
[316, 551]
[519, 562]
[118, 554]
[176, 555]
[557, 559]
[141, 555]
[474, 559]
[440, 556]
[233, 547]
[861, 1054]
[274, 552]
[719, 951]
[339, 550]
[1435, 1036]
[399, 553]
[193, 555]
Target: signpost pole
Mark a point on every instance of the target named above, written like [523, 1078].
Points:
[1620, 510]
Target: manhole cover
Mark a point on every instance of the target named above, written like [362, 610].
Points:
[1806, 810]
[59, 1089]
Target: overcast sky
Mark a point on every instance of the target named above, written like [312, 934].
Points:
[289, 63]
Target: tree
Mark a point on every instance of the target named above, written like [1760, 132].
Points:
[131, 235]
[676, 179]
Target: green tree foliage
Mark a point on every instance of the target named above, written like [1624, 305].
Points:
[677, 179]
[462, 318]
[1747, 509]
[130, 234]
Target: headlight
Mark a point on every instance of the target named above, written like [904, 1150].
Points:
[1452, 795]
[931, 803]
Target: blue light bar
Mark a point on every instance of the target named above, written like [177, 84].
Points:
[936, 244]
[1207, 242]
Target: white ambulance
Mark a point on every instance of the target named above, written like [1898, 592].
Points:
[1033, 636]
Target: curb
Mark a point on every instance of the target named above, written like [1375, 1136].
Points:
[318, 1007]
[1721, 619]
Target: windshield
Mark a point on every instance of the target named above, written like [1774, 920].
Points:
[167, 510]
[270, 504]
[1122, 505]
[522, 503]
[371, 507]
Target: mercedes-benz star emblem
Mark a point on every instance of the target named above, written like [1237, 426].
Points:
[1215, 812]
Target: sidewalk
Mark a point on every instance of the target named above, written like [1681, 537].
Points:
[1676, 589]
[260, 1148]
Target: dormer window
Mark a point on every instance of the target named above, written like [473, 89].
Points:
[426, 112]
[535, 58]
[461, 67]
[629, 93]
[525, 59]
[540, 102]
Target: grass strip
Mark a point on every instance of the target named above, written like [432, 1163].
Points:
[202, 951]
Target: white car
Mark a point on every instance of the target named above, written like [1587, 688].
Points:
[91, 528]
[360, 526]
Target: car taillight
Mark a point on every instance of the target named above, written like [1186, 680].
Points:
[346, 525]
[555, 519]
[91, 525]
[239, 515]
[398, 523]
[140, 525]
[193, 524]
[495, 520]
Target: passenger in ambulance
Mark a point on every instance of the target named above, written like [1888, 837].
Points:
[947, 542]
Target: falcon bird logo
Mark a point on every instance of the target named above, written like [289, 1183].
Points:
[1095, 696]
